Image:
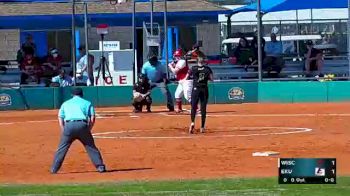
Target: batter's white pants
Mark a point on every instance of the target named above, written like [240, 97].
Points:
[184, 88]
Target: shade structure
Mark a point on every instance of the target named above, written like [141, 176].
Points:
[285, 5]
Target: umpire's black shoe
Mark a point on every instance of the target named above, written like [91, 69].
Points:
[101, 169]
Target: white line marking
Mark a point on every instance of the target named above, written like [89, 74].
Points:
[259, 115]
[29, 121]
[297, 130]
[186, 115]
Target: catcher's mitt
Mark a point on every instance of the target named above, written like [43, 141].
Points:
[137, 97]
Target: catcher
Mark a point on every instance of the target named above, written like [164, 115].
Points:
[142, 94]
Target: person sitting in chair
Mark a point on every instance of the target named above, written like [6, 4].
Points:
[142, 94]
[30, 69]
[243, 52]
[273, 60]
[62, 80]
[314, 58]
[54, 62]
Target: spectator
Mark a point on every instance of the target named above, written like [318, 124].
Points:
[254, 46]
[314, 58]
[273, 60]
[54, 62]
[62, 80]
[243, 52]
[156, 74]
[30, 69]
[28, 47]
[85, 67]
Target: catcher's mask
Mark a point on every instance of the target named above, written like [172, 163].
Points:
[142, 79]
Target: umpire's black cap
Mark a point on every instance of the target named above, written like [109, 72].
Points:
[77, 91]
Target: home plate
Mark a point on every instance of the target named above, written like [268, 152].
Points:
[265, 154]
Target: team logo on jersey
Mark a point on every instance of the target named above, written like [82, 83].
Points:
[5, 99]
[236, 93]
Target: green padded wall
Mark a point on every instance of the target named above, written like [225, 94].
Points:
[235, 92]
[223, 92]
[291, 92]
[338, 91]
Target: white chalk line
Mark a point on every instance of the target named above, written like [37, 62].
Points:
[296, 130]
[259, 115]
[131, 115]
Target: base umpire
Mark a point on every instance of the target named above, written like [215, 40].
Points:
[76, 118]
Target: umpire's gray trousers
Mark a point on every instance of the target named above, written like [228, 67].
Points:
[166, 92]
[76, 130]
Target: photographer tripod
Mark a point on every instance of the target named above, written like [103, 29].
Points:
[103, 66]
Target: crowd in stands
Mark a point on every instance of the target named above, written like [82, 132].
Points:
[246, 54]
[49, 70]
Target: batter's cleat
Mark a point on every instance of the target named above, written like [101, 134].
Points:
[191, 129]
[202, 130]
[179, 110]
[101, 169]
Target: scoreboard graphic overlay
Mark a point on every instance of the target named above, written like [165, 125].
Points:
[307, 171]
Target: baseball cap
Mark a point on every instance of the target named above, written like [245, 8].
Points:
[309, 43]
[77, 91]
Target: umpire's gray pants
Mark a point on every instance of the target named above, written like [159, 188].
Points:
[166, 92]
[76, 130]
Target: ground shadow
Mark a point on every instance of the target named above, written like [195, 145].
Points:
[110, 170]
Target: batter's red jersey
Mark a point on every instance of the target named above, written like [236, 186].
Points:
[183, 69]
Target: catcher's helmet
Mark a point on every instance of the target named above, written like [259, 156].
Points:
[142, 78]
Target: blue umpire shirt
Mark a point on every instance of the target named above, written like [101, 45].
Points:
[76, 108]
[155, 73]
[274, 49]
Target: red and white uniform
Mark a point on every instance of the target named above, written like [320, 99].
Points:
[184, 87]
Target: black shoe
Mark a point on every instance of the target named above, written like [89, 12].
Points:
[137, 111]
[171, 109]
[101, 168]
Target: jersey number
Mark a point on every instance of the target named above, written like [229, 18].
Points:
[201, 77]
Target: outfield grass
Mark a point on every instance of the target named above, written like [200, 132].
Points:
[236, 186]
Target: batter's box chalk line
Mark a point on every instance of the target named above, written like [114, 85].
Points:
[259, 131]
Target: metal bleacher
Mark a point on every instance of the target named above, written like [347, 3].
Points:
[293, 70]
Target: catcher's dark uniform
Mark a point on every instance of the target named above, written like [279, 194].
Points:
[201, 75]
[143, 87]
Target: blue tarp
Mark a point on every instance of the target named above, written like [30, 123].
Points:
[284, 5]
